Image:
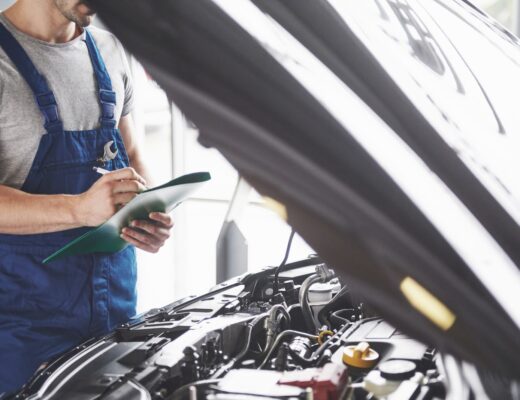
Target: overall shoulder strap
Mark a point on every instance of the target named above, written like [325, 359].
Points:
[107, 97]
[43, 95]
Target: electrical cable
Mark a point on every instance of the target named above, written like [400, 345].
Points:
[286, 256]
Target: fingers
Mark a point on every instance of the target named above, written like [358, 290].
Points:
[153, 228]
[149, 235]
[124, 174]
[123, 198]
[165, 219]
[142, 239]
[127, 186]
[139, 244]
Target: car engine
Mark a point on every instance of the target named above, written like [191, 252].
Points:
[291, 333]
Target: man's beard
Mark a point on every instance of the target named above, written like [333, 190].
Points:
[72, 14]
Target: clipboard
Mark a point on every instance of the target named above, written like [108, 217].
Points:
[105, 238]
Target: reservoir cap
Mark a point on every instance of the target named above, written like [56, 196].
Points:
[360, 356]
[397, 370]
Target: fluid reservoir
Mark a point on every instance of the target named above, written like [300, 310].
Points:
[389, 376]
[321, 293]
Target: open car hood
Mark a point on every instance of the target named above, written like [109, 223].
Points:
[377, 124]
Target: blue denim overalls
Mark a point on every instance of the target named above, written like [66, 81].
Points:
[47, 309]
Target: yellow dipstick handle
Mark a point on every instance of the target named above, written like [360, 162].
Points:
[322, 336]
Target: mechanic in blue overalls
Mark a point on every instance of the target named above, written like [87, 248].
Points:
[65, 102]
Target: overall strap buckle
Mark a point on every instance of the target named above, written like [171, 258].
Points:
[107, 99]
[49, 108]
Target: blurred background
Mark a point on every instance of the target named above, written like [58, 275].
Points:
[187, 263]
[504, 11]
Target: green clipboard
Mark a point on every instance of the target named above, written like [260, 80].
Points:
[105, 238]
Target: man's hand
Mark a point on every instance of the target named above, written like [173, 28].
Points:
[149, 235]
[107, 195]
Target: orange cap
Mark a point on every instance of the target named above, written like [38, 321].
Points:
[360, 356]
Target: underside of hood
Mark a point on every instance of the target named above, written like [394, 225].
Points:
[311, 117]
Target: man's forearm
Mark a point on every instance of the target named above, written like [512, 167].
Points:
[23, 213]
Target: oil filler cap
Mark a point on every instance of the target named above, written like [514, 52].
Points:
[360, 356]
[397, 370]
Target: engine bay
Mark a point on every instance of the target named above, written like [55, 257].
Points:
[292, 334]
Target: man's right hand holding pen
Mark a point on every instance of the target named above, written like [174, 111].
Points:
[117, 188]
[25, 213]
[107, 195]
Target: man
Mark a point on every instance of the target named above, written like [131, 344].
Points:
[65, 102]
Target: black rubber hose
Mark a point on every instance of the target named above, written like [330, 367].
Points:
[304, 301]
[341, 301]
[341, 317]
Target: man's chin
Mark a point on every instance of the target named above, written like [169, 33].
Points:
[86, 20]
[83, 9]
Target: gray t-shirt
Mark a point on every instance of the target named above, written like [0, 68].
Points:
[69, 74]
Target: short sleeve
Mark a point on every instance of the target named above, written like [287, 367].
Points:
[128, 82]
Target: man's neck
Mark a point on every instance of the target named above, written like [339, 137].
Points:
[41, 20]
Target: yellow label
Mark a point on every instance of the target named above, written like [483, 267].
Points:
[427, 304]
[276, 206]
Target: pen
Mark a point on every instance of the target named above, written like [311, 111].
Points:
[101, 171]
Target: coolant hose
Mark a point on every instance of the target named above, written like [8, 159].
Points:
[311, 324]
